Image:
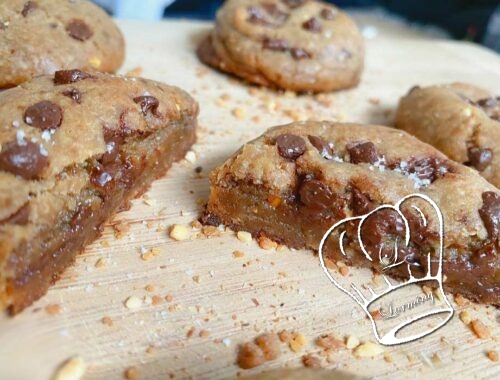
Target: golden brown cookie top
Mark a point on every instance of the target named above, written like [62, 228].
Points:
[383, 162]
[42, 36]
[286, 41]
[51, 123]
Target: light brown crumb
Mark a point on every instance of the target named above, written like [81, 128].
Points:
[298, 342]
[250, 355]
[210, 231]
[190, 332]
[465, 317]
[269, 344]
[266, 243]
[107, 321]
[169, 297]
[256, 119]
[255, 301]
[131, 373]
[294, 114]
[239, 113]
[329, 341]
[151, 349]
[323, 100]
[150, 253]
[311, 361]
[351, 342]
[150, 288]
[204, 334]
[273, 200]
[376, 315]
[53, 309]
[196, 279]
[285, 336]
[71, 369]
[238, 254]
[460, 300]
[179, 232]
[101, 263]
[388, 357]
[133, 302]
[493, 356]
[121, 229]
[244, 236]
[344, 271]
[175, 307]
[135, 72]
[156, 300]
[374, 101]
[480, 329]
[195, 224]
[368, 349]
[435, 359]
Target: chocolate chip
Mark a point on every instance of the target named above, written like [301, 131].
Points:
[426, 169]
[79, 30]
[322, 146]
[490, 213]
[299, 53]
[312, 25]
[272, 10]
[256, 16]
[23, 160]
[328, 14]
[43, 115]
[479, 158]
[294, 3]
[315, 195]
[19, 217]
[275, 44]
[491, 106]
[148, 103]
[29, 6]
[361, 203]
[210, 219]
[74, 94]
[363, 153]
[381, 226]
[290, 146]
[70, 76]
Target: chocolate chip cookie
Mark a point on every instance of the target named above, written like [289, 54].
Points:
[296, 181]
[461, 120]
[304, 46]
[75, 148]
[43, 36]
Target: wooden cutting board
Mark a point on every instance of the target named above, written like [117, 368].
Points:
[218, 299]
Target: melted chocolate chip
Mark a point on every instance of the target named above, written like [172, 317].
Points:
[491, 106]
[322, 146]
[29, 6]
[299, 53]
[315, 195]
[79, 30]
[426, 169]
[268, 14]
[23, 160]
[479, 158]
[43, 115]
[363, 153]
[256, 16]
[361, 203]
[272, 10]
[380, 227]
[294, 3]
[328, 14]
[490, 214]
[74, 94]
[148, 104]
[312, 25]
[70, 76]
[275, 44]
[290, 146]
[20, 217]
[210, 219]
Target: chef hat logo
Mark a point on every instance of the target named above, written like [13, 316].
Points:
[432, 271]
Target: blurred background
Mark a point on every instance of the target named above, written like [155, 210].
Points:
[471, 20]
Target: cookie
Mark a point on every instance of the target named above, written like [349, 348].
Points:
[75, 148]
[296, 181]
[461, 120]
[303, 46]
[42, 36]
[304, 374]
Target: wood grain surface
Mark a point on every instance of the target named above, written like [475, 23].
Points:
[216, 298]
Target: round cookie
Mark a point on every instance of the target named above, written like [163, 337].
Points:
[461, 120]
[298, 45]
[43, 36]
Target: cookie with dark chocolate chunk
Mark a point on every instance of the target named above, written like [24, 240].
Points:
[461, 120]
[296, 181]
[74, 149]
[303, 46]
[42, 36]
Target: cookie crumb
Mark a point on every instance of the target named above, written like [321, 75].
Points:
[368, 349]
[135, 72]
[101, 263]
[285, 336]
[179, 232]
[133, 302]
[465, 317]
[351, 342]
[169, 297]
[311, 361]
[480, 329]
[460, 300]
[150, 288]
[239, 113]
[204, 334]
[250, 355]
[269, 344]
[330, 342]
[107, 321]
[298, 342]
[266, 243]
[149, 254]
[53, 309]
[156, 300]
[493, 356]
[190, 157]
[131, 373]
[244, 236]
[238, 254]
[71, 369]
